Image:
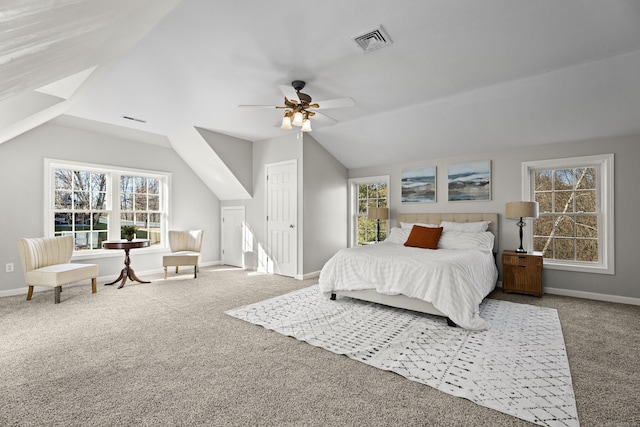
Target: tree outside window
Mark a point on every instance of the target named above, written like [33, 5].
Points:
[567, 228]
[574, 230]
[80, 207]
[92, 202]
[375, 195]
[140, 206]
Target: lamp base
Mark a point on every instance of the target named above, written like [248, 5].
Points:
[521, 249]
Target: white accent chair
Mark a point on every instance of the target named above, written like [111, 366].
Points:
[46, 262]
[185, 250]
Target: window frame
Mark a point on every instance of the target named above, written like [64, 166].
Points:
[113, 201]
[353, 203]
[605, 209]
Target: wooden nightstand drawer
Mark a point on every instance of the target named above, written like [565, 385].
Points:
[522, 273]
[521, 259]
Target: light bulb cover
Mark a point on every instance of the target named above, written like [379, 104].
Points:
[286, 121]
[297, 119]
[306, 125]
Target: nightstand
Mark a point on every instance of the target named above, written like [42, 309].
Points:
[522, 272]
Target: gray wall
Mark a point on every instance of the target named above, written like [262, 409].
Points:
[325, 205]
[21, 173]
[236, 153]
[274, 150]
[322, 183]
[506, 186]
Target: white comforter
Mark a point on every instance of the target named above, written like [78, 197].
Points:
[453, 281]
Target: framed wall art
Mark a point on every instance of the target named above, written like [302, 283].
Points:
[470, 181]
[419, 185]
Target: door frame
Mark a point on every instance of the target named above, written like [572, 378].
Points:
[267, 166]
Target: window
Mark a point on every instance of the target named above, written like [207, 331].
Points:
[80, 207]
[367, 192]
[140, 206]
[574, 230]
[92, 202]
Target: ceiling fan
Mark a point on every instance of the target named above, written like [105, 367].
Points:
[299, 107]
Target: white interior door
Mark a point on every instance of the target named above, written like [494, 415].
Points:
[232, 235]
[282, 217]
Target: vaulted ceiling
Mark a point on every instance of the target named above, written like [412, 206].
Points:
[461, 76]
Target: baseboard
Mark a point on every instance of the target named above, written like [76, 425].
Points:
[592, 295]
[554, 291]
[308, 275]
[210, 263]
[23, 290]
[587, 295]
[101, 279]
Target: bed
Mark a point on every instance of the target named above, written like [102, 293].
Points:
[450, 282]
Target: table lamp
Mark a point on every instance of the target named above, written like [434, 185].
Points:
[520, 211]
[378, 214]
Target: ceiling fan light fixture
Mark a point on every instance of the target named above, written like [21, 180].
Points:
[286, 121]
[299, 108]
[297, 118]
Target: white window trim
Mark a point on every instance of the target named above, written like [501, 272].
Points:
[353, 203]
[113, 208]
[606, 264]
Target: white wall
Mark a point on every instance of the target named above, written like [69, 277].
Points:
[22, 193]
[506, 186]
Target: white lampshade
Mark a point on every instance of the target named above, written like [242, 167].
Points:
[306, 125]
[297, 118]
[286, 122]
[517, 210]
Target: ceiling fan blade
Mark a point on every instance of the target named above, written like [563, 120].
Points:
[262, 106]
[323, 119]
[289, 93]
[335, 103]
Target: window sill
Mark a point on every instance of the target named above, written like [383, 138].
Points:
[594, 269]
[111, 253]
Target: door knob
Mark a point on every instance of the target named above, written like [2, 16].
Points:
[292, 226]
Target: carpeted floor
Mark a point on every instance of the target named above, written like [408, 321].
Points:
[165, 353]
[519, 366]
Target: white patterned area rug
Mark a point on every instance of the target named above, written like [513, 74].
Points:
[518, 367]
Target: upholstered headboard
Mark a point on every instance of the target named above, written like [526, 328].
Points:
[436, 218]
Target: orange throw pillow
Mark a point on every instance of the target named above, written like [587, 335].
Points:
[424, 237]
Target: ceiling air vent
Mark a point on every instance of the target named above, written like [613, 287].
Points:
[134, 119]
[372, 39]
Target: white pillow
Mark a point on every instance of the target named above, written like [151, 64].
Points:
[463, 240]
[409, 225]
[465, 227]
[397, 235]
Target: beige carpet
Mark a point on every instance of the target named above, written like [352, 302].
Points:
[165, 353]
[519, 366]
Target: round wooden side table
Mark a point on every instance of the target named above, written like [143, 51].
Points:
[127, 271]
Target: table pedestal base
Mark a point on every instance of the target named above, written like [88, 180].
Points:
[126, 272]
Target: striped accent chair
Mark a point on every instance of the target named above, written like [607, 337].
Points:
[185, 250]
[46, 261]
